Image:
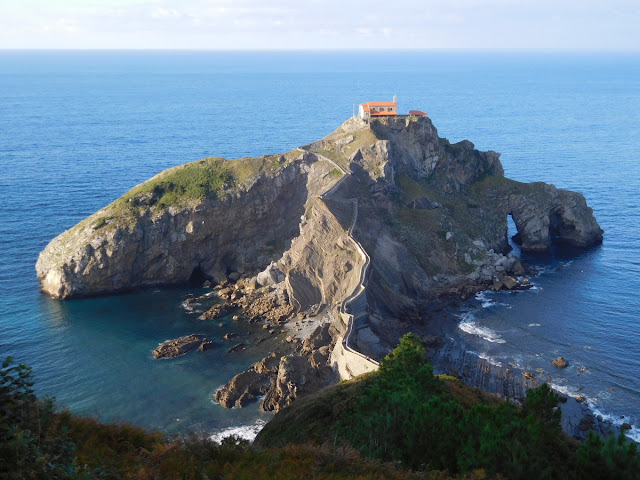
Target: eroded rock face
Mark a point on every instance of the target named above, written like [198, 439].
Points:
[543, 213]
[281, 378]
[241, 231]
[245, 387]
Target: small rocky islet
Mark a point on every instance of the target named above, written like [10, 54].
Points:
[362, 236]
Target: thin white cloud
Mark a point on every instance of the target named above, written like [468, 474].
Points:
[258, 24]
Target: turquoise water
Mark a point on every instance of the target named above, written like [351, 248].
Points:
[77, 130]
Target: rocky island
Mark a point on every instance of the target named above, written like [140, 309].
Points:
[369, 227]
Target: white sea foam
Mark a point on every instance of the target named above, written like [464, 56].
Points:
[484, 300]
[592, 403]
[617, 421]
[492, 361]
[469, 326]
[246, 432]
[189, 307]
[534, 325]
[566, 390]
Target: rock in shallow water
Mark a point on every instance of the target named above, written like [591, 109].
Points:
[560, 363]
[180, 346]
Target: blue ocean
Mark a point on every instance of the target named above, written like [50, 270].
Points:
[79, 129]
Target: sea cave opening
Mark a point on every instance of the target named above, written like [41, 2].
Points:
[513, 236]
[198, 277]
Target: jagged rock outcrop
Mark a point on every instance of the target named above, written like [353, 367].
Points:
[180, 346]
[543, 212]
[245, 215]
[281, 378]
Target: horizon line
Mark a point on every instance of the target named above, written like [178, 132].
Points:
[547, 50]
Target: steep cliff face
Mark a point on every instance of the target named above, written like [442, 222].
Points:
[434, 214]
[322, 267]
[156, 236]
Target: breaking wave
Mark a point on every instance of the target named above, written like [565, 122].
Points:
[489, 359]
[246, 432]
[468, 325]
[487, 302]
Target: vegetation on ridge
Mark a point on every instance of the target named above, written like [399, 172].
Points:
[429, 427]
[404, 413]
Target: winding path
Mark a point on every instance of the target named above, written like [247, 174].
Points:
[348, 361]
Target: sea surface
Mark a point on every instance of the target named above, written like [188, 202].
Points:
[79, 129]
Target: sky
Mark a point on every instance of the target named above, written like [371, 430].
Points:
[320, 24]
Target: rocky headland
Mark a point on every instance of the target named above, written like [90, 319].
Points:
[368, 231]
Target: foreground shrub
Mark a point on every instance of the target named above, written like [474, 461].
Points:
[32, 442]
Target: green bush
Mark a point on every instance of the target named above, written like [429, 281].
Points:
[405, 414]
[612, 459]
[32, 442]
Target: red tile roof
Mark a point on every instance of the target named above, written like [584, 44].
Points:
[417, 112]
[366, 105]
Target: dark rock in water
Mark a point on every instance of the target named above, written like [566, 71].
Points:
[246, 386]
[517, 239]
[180, 346]
[560, 363]
[237, 347]
[626, 426]
[227, 336]
[206, 345]
[216, 311]
[509, 282]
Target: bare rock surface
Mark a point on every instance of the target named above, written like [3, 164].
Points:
[560, 363]
[282, 378]
[216, 311]
[180, 346]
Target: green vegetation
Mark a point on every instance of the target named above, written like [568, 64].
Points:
[336, 173]
[101, 222]
[195, 180]
[38, 443]
[401, 422]
[404, 413]
[33, 442]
